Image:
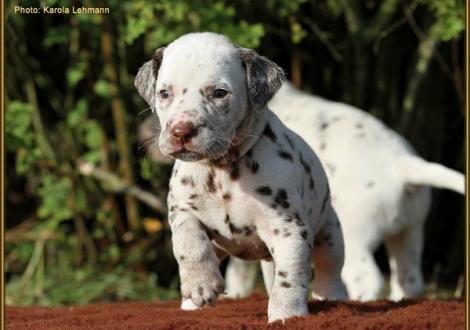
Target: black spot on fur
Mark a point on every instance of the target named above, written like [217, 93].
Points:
[288, 139]
[285, 284]
[264, 190]
[298, 221]
[304, 234]
[282, 274]
[324, 126]
[252, 165]
[187, 180]
[326, 237]
[311, 183]
[234, 229]
[249, 153]
[182, 257]
[359, 125]
[227, 196]
[325, 199]
[227, 218]
[285, 155]
[234, 172]
[249, 230]
[370, 184]
[276, 231]
[269, 133]
[194, 207]
[323, 146]
[185, 90]
[286, 232]
[210, 182]
[304, 164]
[173, 208]
[281, 199]
[193, 196]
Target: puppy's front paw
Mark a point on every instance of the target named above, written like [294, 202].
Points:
[188, 305]
[201, 282]
[282, 308]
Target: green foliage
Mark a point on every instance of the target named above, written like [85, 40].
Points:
[20, 135]
[164, 20]
[19, 131]
[65, 284]
[103, 88]
[57, 36]
[285, 8]
[75, 74]
[450, 18]
[54, 193]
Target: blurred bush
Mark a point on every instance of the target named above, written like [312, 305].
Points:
[86, 217]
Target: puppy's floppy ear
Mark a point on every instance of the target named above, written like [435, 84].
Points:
[146, 78]
[264, 77]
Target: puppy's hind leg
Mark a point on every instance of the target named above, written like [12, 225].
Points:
[328, 259]
[404, 250]
[268, 269]
[240, 277]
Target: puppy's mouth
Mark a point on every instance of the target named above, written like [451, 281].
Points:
[187, 155]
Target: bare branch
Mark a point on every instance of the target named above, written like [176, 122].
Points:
[117, 185]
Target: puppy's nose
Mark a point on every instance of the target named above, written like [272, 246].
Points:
[183, 130]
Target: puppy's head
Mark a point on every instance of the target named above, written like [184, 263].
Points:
[203, 87]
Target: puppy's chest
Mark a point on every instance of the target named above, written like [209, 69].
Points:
[228, 213]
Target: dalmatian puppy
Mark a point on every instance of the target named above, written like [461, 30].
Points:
[243, 184]
[380, 190]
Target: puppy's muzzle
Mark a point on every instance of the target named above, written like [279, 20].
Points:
[183, 131]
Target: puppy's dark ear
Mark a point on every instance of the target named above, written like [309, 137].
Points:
[264, 77]
[146, 78]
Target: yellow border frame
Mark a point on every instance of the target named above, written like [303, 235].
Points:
[2, 149]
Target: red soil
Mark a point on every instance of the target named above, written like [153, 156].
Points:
[243, 314]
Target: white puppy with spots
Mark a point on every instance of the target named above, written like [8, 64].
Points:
[379, 189]
[243, 183]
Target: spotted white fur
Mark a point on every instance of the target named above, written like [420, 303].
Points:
[379, 189]
[243, 184]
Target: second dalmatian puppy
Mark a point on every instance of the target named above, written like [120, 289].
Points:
[243, 183]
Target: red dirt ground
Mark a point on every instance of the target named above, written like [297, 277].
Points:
[242, 314]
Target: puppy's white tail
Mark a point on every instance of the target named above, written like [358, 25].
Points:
[417, 171]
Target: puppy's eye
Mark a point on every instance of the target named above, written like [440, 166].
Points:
[220, 93]
[164, 94]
